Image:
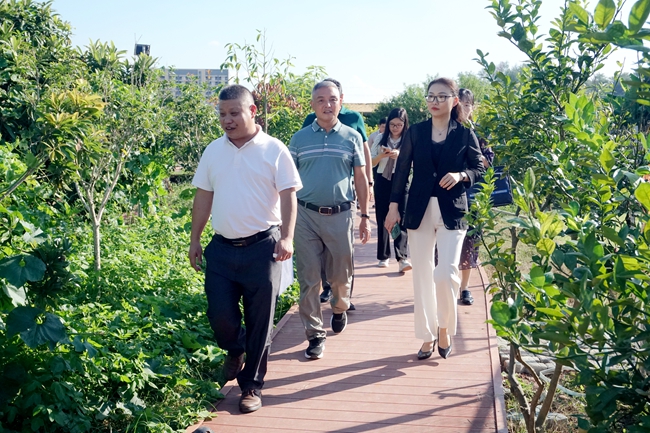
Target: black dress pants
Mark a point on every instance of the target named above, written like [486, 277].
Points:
[252, 274]
[382, 189]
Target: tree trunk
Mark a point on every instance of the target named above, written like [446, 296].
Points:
[550, 395]
[96, 245]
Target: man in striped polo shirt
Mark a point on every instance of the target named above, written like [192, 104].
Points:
[327, 154]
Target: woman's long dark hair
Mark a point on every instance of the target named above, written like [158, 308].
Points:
[466, 95]
[457, 111]
[395, 113]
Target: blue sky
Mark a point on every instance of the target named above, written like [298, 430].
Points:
[372, 47]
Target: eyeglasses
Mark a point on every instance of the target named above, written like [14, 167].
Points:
[437, 98]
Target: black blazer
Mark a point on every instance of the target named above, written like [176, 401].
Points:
[461, 152]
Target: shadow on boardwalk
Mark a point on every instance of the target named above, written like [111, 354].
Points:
[369, 379]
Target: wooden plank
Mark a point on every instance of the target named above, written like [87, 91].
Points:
[369, 379]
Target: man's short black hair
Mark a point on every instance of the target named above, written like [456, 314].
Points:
[236, 91]
[383, 121]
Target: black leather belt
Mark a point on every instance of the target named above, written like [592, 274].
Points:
[245, 242]
[326, 210]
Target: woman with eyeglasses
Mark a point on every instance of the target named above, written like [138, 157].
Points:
[469, 252]
[445, 158]
[384, 151]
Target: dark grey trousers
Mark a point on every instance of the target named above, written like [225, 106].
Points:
[250, 274]
[382, 189]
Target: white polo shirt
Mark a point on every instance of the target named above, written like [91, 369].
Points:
[246, 183]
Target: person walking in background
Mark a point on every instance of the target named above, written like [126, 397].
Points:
[385, 151]
[445, 159]
[247, 181]
[469, 252]
[354, 120]
[326, 153]
[380, 130]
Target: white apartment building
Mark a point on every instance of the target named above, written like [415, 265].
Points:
[212, 77]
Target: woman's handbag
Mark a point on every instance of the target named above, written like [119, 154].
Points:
[502, 194]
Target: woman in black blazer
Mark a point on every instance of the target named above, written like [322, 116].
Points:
[446, 159]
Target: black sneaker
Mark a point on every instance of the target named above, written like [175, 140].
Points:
[326, 296]
[315, 349]
[338, 322]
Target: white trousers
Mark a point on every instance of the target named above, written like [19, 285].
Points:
[435, 287]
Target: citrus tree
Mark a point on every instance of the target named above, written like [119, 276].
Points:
[582, 206]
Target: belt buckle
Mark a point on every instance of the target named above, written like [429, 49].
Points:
[241, 243]
[324, 210]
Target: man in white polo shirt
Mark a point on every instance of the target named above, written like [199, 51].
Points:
[248, 182]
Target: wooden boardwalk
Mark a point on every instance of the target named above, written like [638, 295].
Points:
[369, 379]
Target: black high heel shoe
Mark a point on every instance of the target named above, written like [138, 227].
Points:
[425, 355]
[444, 352]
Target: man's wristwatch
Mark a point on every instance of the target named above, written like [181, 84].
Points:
[365, 215]
[463, 175]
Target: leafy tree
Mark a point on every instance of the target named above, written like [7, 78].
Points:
[131, 116]
[193, 124]
[474, 82]
[262, 71]
[411, 99]
[581, 205]
[282, 97]
[293, 102]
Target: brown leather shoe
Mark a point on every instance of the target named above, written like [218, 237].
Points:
[251, 400]
[232, 365]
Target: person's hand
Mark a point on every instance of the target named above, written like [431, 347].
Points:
[196, 255]
[392, 217]
[450, 180]
[386, 152]
[393, 154]
[364, 230]
[283, 249]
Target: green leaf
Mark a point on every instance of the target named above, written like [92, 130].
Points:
[642, 193]
[604, 14]
[51, 331]
[21, 319]
[607, 160]
[553, 312]
[189, 342]
[545, 246]
[612, 235]
[537, 276]
[638, 15]
[17, 295]
[573, 208]
[500, 312]
[518, 32]
[558, 258]
[583, 424]
[529, 181]
[555, 337]
[579, 12]
[616, 30]
[17, 270]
